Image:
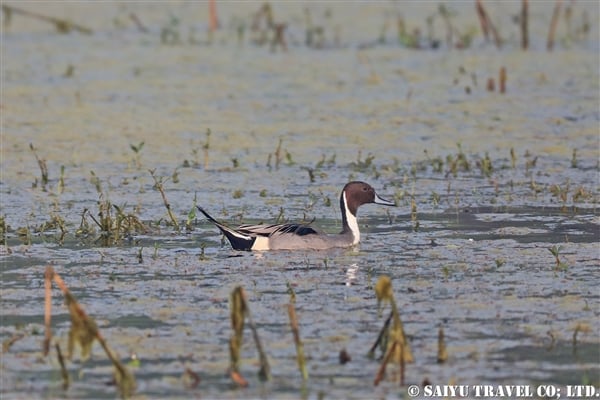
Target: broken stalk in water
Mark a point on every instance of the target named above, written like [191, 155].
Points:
[159, 185]
[299, 346]
[398, 347]
[83, 332]
[43, 167]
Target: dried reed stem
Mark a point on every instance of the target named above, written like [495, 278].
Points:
[62, 25]
[297, 341]
[553, 23]
[524, 23]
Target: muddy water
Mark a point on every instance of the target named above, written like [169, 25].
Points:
[473, 257]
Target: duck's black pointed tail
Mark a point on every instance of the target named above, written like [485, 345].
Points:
[238, 240]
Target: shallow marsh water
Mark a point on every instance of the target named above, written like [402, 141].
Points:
[474, 258]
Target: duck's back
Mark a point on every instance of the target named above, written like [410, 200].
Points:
[311, 241]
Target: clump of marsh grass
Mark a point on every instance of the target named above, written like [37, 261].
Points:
[55, 223]
[111, 220]
[279, 155]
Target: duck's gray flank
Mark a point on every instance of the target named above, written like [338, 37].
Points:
[292, 236]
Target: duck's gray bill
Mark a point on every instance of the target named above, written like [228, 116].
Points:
[379, 200]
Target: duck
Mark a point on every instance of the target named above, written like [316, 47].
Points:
[302, 236]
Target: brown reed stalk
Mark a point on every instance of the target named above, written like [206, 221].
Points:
[553, 24]
[237, 312]
[381, 371]
[264, 372]
[486, 24]
[502, 80]
[482, 20]
[84, 330]
[524, 25]
[43, 166]
[212, 16]
[442, 353]
[297, 341]
[63, 369]
[47, 309]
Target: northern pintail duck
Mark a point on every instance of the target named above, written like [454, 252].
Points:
[303, 236]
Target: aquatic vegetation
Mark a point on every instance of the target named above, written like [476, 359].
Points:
[56, 222]
[61, 180]
[3, 229]
[299, 346]
[279, 154]
[239, 312]
[555, 250]
[265, 30]
[137, 149]
[442, 353]
[63, 26]
[83, 333]
[414, 214]
[43, 168]
[398, 348]
[206, 147]
[159, 182]
[191, 216]
[574, 159]
[365, 165]
[580, 327]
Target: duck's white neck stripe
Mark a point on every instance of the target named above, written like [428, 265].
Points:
[352, 221]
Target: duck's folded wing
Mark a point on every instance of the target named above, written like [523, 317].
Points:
[277, 229]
